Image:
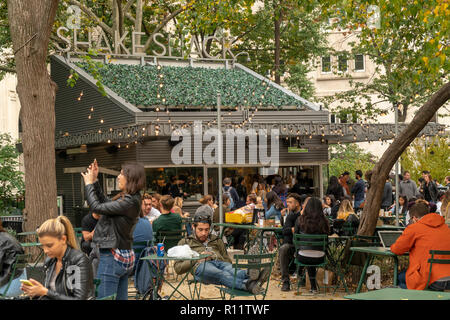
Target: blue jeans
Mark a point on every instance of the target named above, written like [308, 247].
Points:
[14, 288]
[222, 273]
[401, 280]
[113, 277]
[357, 203]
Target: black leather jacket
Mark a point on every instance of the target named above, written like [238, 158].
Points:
[118, 218]
[9, 248]
[75, 280]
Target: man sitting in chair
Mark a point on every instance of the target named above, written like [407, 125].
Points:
[218, 268]
[427, 232]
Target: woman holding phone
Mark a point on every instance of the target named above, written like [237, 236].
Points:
[114, 231]
[68, 271]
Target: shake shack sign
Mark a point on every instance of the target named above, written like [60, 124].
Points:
[133, 43]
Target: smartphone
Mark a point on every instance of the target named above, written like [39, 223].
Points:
[26, 282]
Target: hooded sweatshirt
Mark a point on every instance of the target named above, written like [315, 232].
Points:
[429, 233]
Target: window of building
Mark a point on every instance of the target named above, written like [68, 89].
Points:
[359, 62]
[342, 64]
[326, 64]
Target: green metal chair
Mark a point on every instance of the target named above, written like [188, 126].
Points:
[350, 259]
[96, 284]
[434, 260]
[248, 261]
[319, 242]
[170, 238]
[20, 264]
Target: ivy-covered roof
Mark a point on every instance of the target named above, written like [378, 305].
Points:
[190, 86]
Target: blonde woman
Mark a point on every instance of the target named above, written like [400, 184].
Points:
[178, 207]
[345, 210]
[68, 274]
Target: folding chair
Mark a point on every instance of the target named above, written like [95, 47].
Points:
[317, 241]
[434, 260]
[248, 261]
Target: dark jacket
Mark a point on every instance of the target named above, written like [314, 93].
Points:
[431, 195]
[9, 249]
[386, 201]
[336, 191]
[215, 243]
[359, 189]
[118, 218]
[288, 225]
[75, 280]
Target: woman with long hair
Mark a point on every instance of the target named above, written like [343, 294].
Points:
[274, 205]
[329, 202]
[429, 188]
[335, 188]
[68, 271]
[345, 209]
[312, 221]
[280, 189]
[114, 231]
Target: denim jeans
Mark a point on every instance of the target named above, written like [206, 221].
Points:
[221, 273]
[14, 287]
[113, 277]
[357, 203]
[401, 279]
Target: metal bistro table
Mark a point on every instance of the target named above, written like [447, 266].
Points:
[400, 294]
[160, 276]
[372, 252]
[335, 251]
[249, 227]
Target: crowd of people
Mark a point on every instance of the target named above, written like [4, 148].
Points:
[113, 227]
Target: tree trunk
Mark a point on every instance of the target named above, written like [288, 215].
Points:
[277, 35]
[33, 19]
[381, 170]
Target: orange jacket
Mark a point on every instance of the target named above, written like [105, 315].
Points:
[429, 233]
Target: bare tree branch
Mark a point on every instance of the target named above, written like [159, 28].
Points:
[86, 10]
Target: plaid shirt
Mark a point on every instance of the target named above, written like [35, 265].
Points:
[125, 258]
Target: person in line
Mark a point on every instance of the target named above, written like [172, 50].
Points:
[231, 192]
[280, 189]
[68, 271]
[88, 224]
[407, 187]
[287, 250]
[335, 188]
[114, 231]
[429, 189]
[345, 177]
[358, 190]
[274, 205]
[427, 232]
[217, 268]
[312, 221]
[9, 249]
[386, 201]
[241, 191]
[440, 197]
[149, 211]
[168, 221]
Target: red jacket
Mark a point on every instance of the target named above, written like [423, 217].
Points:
[429, 233]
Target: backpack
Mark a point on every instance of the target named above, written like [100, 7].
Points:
[228, 193]
[145, 277]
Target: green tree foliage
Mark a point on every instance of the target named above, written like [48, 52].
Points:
[350, 157]
[302, 38]
[427, 154]
[11, 179]
[409, 46]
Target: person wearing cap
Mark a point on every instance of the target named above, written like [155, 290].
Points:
[217, 268]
